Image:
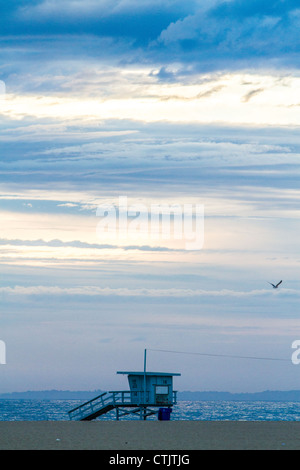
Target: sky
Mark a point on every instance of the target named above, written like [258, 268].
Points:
[191, 106]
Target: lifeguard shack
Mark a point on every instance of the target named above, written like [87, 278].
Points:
[149, 393]
[151, 388]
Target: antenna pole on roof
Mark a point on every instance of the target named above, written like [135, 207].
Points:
[145, 359]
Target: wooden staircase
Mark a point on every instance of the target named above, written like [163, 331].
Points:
[103, 403]
[107, 401]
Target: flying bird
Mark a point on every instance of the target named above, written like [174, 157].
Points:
[275, 285]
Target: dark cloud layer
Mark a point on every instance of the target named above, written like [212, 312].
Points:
[224, 34]
[237, 32]
[102, 19]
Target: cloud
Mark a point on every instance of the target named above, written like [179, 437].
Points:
[71, 9]
[142, 292]
[251, 94]
[235, 32]
[79, 244]
[140, 21]
[201, 35]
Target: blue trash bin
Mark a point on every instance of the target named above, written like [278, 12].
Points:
[164, 414]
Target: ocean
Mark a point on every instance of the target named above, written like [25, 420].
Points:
[57, 410]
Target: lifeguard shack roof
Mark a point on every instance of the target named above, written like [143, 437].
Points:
[157, 374]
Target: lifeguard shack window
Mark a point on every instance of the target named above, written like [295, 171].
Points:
[161, 394]
[161, 390]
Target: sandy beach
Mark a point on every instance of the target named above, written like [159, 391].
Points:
[149, 435]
